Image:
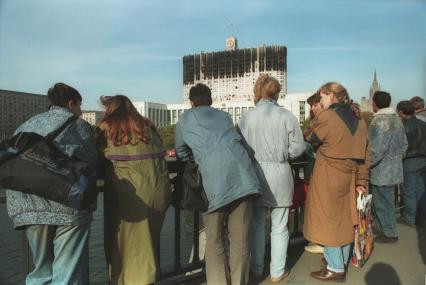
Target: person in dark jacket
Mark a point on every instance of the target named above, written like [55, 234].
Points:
[414, 164]
[314, 102]
[419, 105]
[57, 235]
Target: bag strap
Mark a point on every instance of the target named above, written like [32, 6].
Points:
[52, 135]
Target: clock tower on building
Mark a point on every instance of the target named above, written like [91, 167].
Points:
[231, 43]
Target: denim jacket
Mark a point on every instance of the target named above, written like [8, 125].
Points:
[227, 170]
[388, 144]
[76, 140]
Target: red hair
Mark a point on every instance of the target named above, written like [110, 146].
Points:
[125, 124]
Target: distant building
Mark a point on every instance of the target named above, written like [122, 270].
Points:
[92, 117]
[156, 112]
[231, 73]
[16, 108]
[366, 104]
[296, 103]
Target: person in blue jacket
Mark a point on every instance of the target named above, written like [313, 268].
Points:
[275, 137]
[229, 180]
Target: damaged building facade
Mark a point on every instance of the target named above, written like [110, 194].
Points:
[232, 73]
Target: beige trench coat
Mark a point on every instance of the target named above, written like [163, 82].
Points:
[341, 164]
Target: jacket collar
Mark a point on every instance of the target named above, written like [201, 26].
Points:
[339, 105]
[385, 111]
[58, 108]
[267, 101]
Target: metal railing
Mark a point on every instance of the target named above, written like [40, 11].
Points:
[176, 167]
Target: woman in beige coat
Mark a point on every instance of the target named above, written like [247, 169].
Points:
[340, 170]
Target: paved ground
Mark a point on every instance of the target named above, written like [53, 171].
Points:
[403, 263]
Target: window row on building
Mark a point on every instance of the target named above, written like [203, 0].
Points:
[169, 114]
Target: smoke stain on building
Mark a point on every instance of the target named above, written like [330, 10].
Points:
[231, 73]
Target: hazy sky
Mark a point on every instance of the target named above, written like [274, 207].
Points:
[136, 47]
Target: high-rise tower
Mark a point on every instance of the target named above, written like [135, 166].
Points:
[366, 104]
[374, 86]
[231, 73]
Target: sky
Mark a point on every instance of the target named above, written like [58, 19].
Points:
[135, 47]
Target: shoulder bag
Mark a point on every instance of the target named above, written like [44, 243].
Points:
[32, 164]
[193, 196]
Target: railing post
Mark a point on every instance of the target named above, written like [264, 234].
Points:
[196, 238]
[178, 189]
[25, 256]
[296, 221]
[177, 239]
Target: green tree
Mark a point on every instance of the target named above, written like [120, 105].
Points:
[168, 136]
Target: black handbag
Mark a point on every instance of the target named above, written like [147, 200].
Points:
[193, 196]
[32, 164]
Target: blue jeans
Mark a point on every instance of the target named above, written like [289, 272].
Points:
[60, 254]
[279, 240]
[413, 188]
[337, 257]
[384, 209]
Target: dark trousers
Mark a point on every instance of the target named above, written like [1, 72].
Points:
[235, 270]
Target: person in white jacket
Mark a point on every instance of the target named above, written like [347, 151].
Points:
[274, 137]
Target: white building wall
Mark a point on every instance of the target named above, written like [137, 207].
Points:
[156, 112]
[235, 88]
[171, 113]
[92, 117]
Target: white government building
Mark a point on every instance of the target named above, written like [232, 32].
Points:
[231, 75]
[168, 114]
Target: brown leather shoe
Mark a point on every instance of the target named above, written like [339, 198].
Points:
[327, 275]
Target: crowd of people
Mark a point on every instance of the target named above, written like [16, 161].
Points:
[247, 179]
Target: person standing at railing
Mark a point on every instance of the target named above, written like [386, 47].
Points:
[388, 142]
[229, 180]
[341, 169]
[315, 104]
[274, 137]
[137, 192]
[58, 235]
[414, 166]
[419, 106]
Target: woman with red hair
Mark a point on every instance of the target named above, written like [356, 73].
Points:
[137, 191]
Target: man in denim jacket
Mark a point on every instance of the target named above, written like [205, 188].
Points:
[58, 235]
[388, 144]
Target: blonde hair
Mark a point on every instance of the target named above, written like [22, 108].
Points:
[341, 95]
[337, 89]
[266, 87]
